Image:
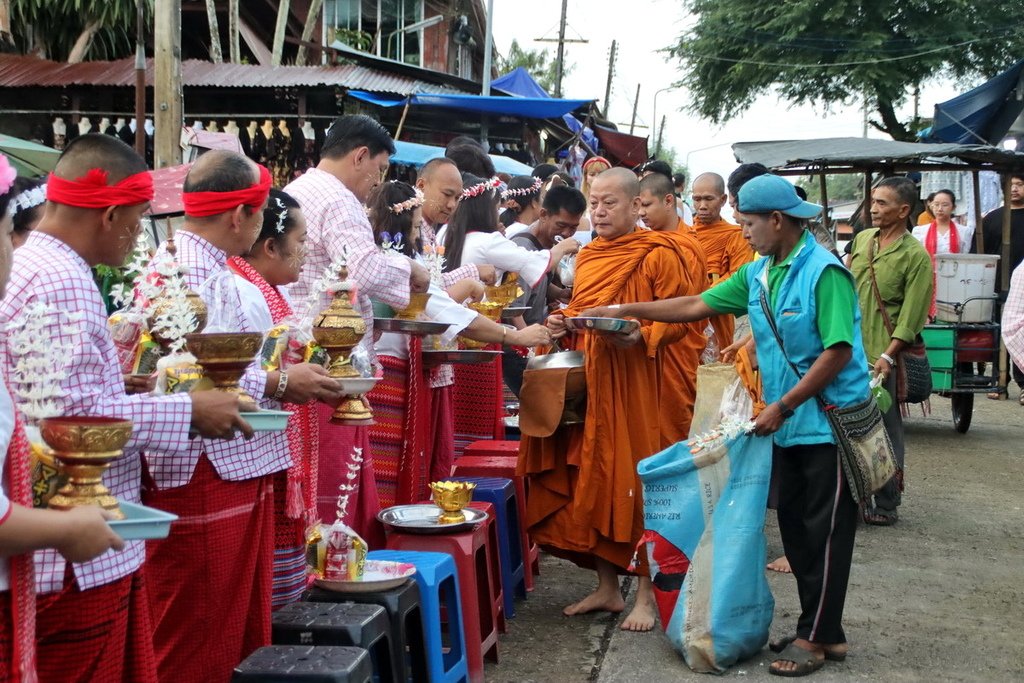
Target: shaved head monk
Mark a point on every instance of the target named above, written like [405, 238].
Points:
[724, 246]
[679, 382]
[585, 503]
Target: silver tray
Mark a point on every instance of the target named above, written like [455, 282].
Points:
[409, 326]
[422, 519]
[609, 325]
[514, 311]
[459, 357]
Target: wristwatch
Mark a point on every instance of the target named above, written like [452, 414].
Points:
[787, 412]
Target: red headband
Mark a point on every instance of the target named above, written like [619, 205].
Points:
[212, 203]
[92, 192]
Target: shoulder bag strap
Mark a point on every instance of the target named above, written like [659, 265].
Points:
[778, 338]
[874, 286]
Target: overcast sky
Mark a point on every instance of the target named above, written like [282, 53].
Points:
[640, 32]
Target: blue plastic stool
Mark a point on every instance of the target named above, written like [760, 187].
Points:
[439, 588]
[501, 493]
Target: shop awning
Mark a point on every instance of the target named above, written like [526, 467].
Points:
[983, 115]
[524, 107]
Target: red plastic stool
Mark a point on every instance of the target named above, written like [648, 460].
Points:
[476, 558]
[491, 447]
[494, 561]
[502, 466]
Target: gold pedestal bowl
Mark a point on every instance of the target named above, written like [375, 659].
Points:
[224, 357]
[85, 447]
[490, 310]
[417, 305]
[452, 497]
[339, 342]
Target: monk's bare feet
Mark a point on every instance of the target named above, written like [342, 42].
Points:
[781, 565]
[598, 601]
[641, 617]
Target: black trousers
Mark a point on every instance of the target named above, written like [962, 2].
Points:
[817, 522]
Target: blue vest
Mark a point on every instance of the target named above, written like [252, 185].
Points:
[795, 316]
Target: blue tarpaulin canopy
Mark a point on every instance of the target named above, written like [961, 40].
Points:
[519, 83]
[525, 107]
[414, 154]
[983, 115]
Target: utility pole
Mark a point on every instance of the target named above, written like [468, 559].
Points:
[560, 61]
[140, 78]
[167, 103]
[608, 87]
[486, 76]
[661, 133]
[636, 103]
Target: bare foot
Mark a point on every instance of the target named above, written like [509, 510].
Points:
[781, 565]
[598, 601]
[641, 618]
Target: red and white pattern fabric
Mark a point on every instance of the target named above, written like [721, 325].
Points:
[237, 459]
[336, 445]
[1013, 317]
[48, 270]
[479, 403]
[337, 225]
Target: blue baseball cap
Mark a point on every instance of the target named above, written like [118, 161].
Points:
[767, 193]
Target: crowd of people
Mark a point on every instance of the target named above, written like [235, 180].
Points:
[81, 604]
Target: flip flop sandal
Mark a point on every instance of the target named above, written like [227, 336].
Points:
[806, 662]
[878, 517]
[782, 643]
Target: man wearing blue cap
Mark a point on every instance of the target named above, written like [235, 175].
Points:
[812, 300]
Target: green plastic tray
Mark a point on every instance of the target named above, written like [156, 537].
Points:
[142, 523]
[267, 420]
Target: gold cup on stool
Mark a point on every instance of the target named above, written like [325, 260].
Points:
[452, 497]
[224, 357]
[85, 447]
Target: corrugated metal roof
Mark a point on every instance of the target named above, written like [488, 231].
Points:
[18, 71]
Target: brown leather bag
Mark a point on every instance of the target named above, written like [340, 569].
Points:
[554, 393]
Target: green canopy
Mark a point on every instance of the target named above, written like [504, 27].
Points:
[29, 158]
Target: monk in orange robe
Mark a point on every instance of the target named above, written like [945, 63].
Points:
[724, 246]
[678, 388]
[585, 501]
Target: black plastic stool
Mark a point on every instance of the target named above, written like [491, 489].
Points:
[403, 608]
[347, 623]
[305, 664]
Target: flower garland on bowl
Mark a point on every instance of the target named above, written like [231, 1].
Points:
[433, 258]
[392, 244]
[175, 318]
[478, 189]
[41, 357]
[126, 295]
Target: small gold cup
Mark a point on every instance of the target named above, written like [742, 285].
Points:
[224, 357]
[489, 309]
[417, 305]
[85, 447]
[452, 497]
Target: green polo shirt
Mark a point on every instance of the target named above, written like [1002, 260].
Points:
[905, 282]
[834, 321]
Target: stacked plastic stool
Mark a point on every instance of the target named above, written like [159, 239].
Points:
[305, 664]
[405, 615]
[501, 493]
[499, 459]
[365, 626]
[475, 559]
[494, 561]
[442, 612]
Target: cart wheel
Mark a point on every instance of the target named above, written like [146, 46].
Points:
[963, 411]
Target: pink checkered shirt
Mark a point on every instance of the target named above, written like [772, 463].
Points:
[1013, 317]
[336, 219]
[238, 459]
[48, 270]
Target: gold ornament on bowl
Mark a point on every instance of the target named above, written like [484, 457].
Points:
[452, 497]
[224, 357]
[490, 310]
[338, 330]
[85, 447]
[417, 305]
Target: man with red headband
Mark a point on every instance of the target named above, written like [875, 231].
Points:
[353, 161]
[222, 546]
[92, 617]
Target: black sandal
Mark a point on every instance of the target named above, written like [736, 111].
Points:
[782, 643]
[805, 660]
[880, 517]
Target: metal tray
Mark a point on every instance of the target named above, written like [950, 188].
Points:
[142, 523]
[608, 325]
[267, 420]
[422, 519]
[458, 357]
[513, 311]
[378, 575]
[409, 326]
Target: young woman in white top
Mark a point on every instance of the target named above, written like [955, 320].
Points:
[522, 204]
[943, 235]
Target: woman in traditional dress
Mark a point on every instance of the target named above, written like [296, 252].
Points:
[275, 260]
[943, 235]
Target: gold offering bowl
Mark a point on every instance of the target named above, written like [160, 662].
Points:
[452, 497]
[417, 304]
[85, 447]
[224, 357]
[160, 306]
[489, 309]
[338, 330]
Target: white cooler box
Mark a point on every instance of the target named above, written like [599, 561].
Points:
[959, 277]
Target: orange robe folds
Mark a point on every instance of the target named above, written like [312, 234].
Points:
[678, 388]
[725, 251]
[585, 496]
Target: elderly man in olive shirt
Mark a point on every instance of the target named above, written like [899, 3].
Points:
[903, 271]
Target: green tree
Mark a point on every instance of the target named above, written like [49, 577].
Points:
[538, 63]
[75, 30]
[841, 187]
[840, 52]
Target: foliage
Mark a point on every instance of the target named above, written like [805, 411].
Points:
[536, 63]
[102, 29]
[357, 40]
[841, 187]
[840, 52]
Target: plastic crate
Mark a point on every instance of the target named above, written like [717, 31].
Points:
[939, 341]
[942, 380]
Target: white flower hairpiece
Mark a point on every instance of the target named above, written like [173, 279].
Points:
[282, 215]
[478, 189]
[29, 199]
[409, 204]
[523, 191]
